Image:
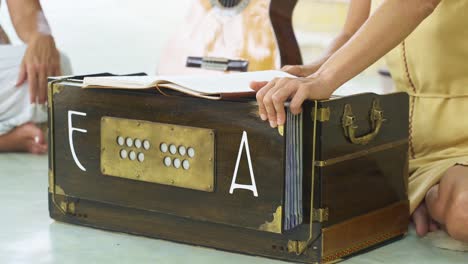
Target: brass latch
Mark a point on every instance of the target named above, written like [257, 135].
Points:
[323, 114]
[320, 215]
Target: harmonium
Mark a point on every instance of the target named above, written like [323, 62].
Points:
[330, 184]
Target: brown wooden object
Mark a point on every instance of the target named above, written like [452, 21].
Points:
[355, 171]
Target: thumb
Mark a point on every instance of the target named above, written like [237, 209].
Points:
[23, 75]
[294, 70]
[257, 85]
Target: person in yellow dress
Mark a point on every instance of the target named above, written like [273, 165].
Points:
[427, 42]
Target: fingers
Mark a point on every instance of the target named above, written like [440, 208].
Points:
[37, 80]
[42, 84]
[433, 226]
[272, 96]
[298, 99]
[435, 204]
[40, 60]
[270, 107]
[279, 98]
[22, 77]
[276, 97]
[421, 220]
[271, 99]
[257, 85]
[32, 80]
[260, 99]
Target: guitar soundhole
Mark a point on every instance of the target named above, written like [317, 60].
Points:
[229, 3]
[229, 7]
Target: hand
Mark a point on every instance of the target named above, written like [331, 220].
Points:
[302, 70]
[271, 96]
[40, 60]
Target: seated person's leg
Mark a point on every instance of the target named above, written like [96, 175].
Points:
[18, 133]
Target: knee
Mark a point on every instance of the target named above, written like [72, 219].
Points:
[456, 219]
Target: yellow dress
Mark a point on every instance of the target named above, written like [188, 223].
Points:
[431, 65]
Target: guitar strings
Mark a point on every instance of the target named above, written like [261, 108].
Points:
[229, 3]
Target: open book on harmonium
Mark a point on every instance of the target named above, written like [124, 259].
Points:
[215, 87]
[181, 167]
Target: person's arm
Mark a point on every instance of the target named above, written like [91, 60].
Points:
[358, 13]
[388, 26]
[41, 58]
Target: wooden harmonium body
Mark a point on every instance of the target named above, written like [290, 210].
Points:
[211, 173]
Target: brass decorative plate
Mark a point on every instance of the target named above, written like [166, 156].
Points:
[161, 153]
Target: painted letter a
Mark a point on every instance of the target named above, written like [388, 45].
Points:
[253, 187]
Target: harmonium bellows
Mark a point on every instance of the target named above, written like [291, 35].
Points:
[331, 183]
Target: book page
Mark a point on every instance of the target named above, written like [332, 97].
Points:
[124, 82]
[202, 84]
[225, 83]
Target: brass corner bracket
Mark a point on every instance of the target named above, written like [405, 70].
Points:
[297, 247]
[68, 207]
[275, 225]
[320, 215]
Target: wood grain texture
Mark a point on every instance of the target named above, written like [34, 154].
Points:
[227, 119]
[362, 185]
[349, 189]
[371, 180]
[359, 232]
[178, 229]
[395, 127]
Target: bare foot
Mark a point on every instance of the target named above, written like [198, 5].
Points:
[25, 138]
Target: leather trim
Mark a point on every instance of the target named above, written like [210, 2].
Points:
[364, 231]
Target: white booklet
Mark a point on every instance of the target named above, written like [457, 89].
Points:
[206, 86]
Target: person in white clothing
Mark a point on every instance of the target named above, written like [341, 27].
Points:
[23, 78]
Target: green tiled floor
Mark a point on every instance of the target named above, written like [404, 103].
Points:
[28, 235]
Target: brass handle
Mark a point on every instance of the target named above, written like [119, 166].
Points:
[349, 126]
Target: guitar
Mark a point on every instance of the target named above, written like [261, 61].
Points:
[233, 35]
